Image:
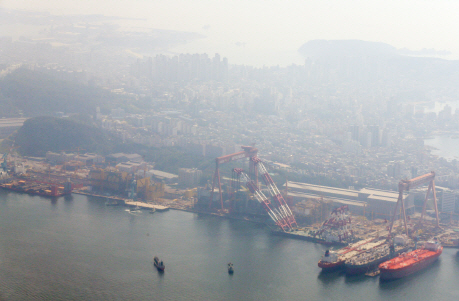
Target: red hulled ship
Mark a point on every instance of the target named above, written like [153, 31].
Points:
[411, 262]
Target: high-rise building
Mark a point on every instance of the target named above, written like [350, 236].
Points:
[375, 135]
[355, 131]
[448, 201]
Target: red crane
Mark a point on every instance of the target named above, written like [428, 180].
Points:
[338, 222]
[406, 185]
[247, 152]
[275, 193]
[278, 216]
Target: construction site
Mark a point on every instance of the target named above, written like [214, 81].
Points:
[324, 214]
[305, 211]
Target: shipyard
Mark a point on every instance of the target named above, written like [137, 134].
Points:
[358, 240]
[261, 151]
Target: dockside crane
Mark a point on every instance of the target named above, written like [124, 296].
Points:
[4, 163]
[247, 152]
[274, 191]
[406, 185]
[279, 217]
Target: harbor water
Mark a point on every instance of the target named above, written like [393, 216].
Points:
[76, 248]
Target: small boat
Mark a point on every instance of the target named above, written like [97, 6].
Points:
[153, 210]
[135, 209]
[230, 268]
[159, 264]
[373, 273]
[111, 203]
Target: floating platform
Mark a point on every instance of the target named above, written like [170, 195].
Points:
[305, 235]
[158, 208]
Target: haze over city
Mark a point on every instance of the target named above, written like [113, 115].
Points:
[258, 33]
[229, 150]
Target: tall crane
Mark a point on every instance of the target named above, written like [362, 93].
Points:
[247, 152]
[406, 185]
[278, 216]
[4, 164]
[275, 193]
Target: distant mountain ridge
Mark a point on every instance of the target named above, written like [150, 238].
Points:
[358, 48]
[346, 48]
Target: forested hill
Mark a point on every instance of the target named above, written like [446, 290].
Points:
[41, 134]
[36, 94]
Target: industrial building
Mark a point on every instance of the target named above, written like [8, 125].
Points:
[119, 182]
[59, 158]
[162, 176]
[189, 177]
[117, 158]
[130, 167]
[379, 202]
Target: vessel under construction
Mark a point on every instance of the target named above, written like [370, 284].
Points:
[411, 262]
[368, 261]
[335, 260]
[336, 230]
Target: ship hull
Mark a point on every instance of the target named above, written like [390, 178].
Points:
[354, 269]
[331, 266]
[389, 274]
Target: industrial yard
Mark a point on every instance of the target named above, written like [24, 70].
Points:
[304, 211]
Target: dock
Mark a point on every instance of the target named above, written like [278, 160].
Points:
[146, 205]
[127, 202]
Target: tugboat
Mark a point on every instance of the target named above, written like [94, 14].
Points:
[111, 203]
[135, 209]
[230, 268]
[159, 264]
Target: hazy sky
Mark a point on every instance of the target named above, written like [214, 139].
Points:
[270, 32]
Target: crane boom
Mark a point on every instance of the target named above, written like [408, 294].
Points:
[279, 217]
[406, 185]
[274, 191]
[418, 181]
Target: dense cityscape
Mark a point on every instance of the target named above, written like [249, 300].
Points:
[344, 133]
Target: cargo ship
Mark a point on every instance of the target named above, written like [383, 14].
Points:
[38, 188]
[369, 260]
[335, 260]
[411, 262]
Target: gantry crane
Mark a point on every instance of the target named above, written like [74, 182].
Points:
[247, 152]
[406, 185]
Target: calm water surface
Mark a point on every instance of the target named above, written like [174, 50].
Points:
[447, 146]
[78, 249]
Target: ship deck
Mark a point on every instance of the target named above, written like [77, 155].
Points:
[409, 258]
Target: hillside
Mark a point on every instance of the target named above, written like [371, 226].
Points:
[41, 134]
